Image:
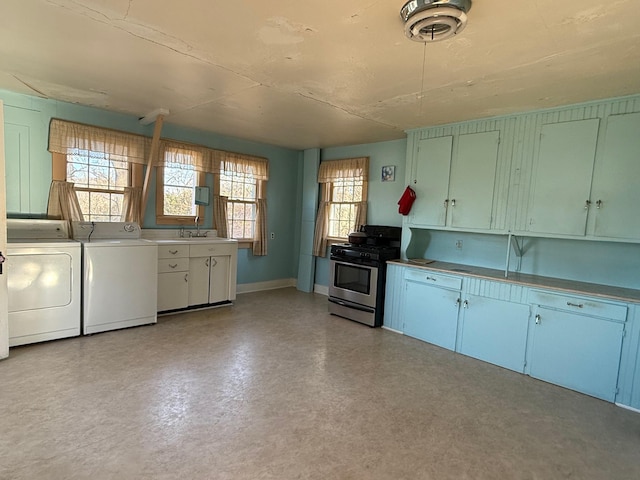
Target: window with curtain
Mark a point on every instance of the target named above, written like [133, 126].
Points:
[99, 180]
[176, 181]
[241, 185]
[101, 166]
[343, 200]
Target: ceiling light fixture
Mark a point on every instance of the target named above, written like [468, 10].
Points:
[434, 20]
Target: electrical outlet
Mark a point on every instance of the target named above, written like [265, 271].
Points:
[273, 235]
[458, 244]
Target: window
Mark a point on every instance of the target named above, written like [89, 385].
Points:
[176, 182]
[239, 201]
[343, 203]
[105, 168]
[345, 194]
[99, 181]
[241, 189]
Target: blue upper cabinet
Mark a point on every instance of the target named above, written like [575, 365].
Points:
[569, 172]
[454, 177]
[562, 178]
[430, 181]
[615, 196]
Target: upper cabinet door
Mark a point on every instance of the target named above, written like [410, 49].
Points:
[431, 181]
[473, 174]
[616, 195]
[560, 195]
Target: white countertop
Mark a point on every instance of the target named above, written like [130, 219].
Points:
[172, 236]
[567, 286]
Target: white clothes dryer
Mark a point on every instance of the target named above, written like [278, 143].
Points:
[43, 280]
[119, 276]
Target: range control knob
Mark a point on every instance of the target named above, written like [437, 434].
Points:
[365, 255]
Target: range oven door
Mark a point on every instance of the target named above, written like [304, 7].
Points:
[353, 282]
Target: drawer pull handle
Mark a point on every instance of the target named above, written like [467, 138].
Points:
[173, 266]
[538, 319]
[432, 279]
[186, 277]
[458, 303]
[173, 252]
[579, 305]
[465, 304]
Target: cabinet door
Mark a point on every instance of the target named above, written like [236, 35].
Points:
[562, 179]
[199, 281]
[495, 331]
[431, 314]
[576, 351]
[27, 180]
[615, 196]
[473, 175]
[219, 279]
[173, 291]
[431, 181]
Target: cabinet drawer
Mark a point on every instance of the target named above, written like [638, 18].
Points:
[211, 249]
[580, 305]
[166, 265]
[173, 251]
[432, 278]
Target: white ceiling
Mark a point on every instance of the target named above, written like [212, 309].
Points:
[305, 74]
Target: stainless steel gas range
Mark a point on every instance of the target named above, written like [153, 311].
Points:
[358, 274]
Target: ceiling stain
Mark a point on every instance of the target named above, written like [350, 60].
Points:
[283, 32]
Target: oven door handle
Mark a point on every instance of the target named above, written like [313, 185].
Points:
[351, 305]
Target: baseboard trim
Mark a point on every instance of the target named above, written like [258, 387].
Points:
[321, 289]
[627, 407]
[392, 330]
[268, 285]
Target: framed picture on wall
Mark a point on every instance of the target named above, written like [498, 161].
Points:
[389, 173]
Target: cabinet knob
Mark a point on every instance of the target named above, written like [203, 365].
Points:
[453, 202]
[599, 203]
[465, 304]
[446, 202]
[538, 319]
[458, 302]
[587, 204]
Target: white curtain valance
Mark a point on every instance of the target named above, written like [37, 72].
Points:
[65, 137]
[346, 168]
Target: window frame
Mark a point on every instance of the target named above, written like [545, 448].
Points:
[59, 172]
[161, 218]
[328, 194]
[260, 191]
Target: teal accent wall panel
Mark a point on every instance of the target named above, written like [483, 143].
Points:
[309, 197]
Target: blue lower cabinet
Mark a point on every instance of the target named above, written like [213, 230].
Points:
[494, 331]
[431, 313]
[576, 351]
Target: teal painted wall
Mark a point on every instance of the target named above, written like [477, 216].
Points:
[383, 196]
[607, 263]
[33, 175]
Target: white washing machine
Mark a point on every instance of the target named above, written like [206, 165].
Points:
[43, 278]
[119, 276]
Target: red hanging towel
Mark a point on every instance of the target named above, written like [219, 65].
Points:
[406, 201]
